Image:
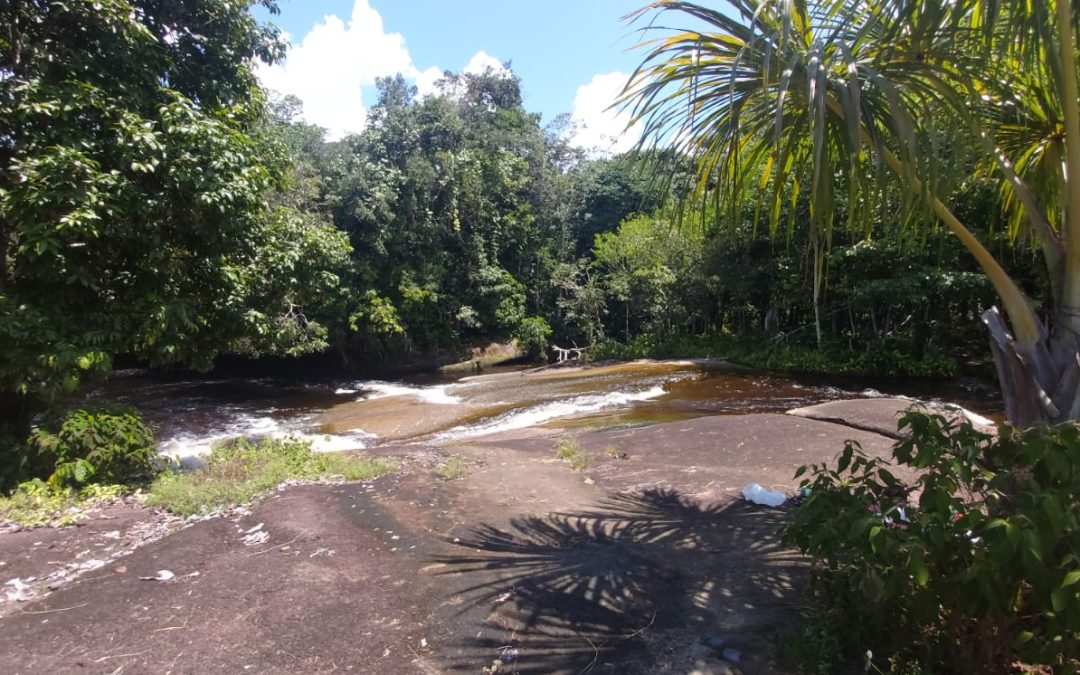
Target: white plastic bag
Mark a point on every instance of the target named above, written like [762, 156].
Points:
[758, 495]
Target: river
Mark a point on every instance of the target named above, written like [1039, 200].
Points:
[191, 415]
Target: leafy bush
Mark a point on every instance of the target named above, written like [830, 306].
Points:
[94, 445]
[683, 345]
[889, 360]
[883, 361]
[533, 334]
[239, 471]
[981, 571]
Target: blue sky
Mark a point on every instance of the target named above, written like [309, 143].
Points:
[571, 55]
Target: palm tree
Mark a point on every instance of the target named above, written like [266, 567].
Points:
[766, 95]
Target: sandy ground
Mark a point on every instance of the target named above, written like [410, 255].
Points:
[646, 562]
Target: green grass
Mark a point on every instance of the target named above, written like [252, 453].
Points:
[238, 472]
[580, 462]
[568, 449]
[453, 468]
[36, 503]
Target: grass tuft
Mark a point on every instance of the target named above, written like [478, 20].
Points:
[568, 449]
[453, 468]
[36, 503]
[240, 471]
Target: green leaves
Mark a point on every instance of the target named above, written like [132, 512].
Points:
[133, 196]
[993, 547]
[102, 444]
[917, 568]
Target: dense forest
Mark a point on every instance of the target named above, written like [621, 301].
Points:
[471, 221]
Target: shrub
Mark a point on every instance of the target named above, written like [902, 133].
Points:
[533, 334]
[983, 570]
[94, 445]
[567, 448]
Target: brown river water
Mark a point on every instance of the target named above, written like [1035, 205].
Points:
[191, 415]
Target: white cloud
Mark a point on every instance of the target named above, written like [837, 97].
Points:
[337, 59]
[481, 61]
[427, 81]
[597, 126]
[334, 60]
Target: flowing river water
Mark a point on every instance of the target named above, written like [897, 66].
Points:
[191, 415]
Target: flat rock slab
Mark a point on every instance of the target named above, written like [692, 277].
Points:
[881, 415]
[709, 458]
[320, 594]
[37, 560]
[713, 458]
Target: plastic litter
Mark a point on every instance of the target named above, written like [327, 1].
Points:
[756, 494]
[162, 575]
[509, 655]
[732, 655]
[20, 591]
[256, 538]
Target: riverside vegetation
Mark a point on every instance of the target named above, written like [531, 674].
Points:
[98, 455]
[972, 567]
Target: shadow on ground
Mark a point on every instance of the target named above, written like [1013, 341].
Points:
[646, 582]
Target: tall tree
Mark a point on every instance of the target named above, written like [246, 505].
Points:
[133, 198]
[819, 96]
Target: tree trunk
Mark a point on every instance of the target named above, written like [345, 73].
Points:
[817, 288]
[1037, 388]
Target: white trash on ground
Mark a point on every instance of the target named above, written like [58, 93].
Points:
[758, 495]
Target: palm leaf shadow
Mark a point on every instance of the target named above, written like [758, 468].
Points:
[575, 591]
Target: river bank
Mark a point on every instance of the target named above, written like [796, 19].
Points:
[639, 560]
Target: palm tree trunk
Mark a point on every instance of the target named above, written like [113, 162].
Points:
[817, 287]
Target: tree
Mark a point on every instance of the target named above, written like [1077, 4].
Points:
[614, 189]
[822, 97]
[134, 197]
[651, 268]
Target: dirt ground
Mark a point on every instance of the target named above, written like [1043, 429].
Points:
[646, 562]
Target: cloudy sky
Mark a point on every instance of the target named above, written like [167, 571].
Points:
[572, 56]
